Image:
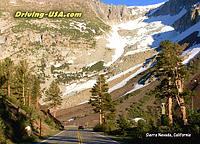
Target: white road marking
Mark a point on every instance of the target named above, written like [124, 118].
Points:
[52, 136]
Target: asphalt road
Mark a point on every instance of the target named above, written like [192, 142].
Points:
[78, 137]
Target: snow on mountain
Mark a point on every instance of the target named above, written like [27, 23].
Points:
[136, 87]
[191, 53]
[81, 26]
[168, 19]
[83, 102]
[124, 82]
[147, 33]
[125, 72]
[146, 29]
[115, 41]
[148, 6]
[75, 87]
[189, 31]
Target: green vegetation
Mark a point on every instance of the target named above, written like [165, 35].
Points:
[68, 77]
[63, 66]
[24, 25]
[96, 67]
[93, 28]
[171, 73]
[1, 14]
[19, 97]
[53, 95]
[140, 109]
[37, 46]
[172, 78]
[101, 101]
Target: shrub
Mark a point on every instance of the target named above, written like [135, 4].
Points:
[49, 122]
[100, 128]
[123, 124]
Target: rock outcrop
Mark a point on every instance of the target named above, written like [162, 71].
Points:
[173, 7]
[189, 19]
[111, 13]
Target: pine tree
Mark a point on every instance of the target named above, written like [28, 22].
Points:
[36, 91]
[22, 81]
[171, 72]
[6, 72]
[9, 66]
[53, 96]
[101, 100]
[2, 78]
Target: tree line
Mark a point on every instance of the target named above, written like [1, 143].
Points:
[171, 75]
[19, 84]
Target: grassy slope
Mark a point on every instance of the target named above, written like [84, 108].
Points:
[15, 122]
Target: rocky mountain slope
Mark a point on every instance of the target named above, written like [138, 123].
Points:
[118, 40]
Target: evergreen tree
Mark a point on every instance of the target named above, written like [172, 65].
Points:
[53, 95]
[171, 72]
[22, 81]
[36, 91]
[123, 124]
[9, 67]
[101, 100]
[2, 78]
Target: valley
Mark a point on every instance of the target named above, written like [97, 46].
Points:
[123, 43]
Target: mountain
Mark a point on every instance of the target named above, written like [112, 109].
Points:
[119, 41]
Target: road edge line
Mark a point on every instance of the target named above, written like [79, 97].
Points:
[52, 136]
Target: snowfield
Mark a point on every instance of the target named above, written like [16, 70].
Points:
[115, 41]
[191, 53]
[124, 82]
[136, 87]
[76, 88]
[124, 73]
[148, 32]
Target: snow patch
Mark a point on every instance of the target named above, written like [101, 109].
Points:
[168, 19]
[57, 65]
[115, 41]
[70, 61]
[136, 87]
[189, 31]
[91, 64]
[81, 26]
[136, 51]
[69, 120]
[148, 6]
[124, 82]
[191, 53]
[83, 102]
[75, 88]
[125, 72]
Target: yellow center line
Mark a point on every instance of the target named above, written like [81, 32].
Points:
[79, 137]
[81, 140]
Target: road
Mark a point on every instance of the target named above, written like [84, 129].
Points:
[78, 137]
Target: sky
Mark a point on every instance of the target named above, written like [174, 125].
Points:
[133, 2]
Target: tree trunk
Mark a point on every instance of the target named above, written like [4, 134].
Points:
[100, 103]
[179, 85]
[8, 88]
[183, 110]
[29, 100]
[181, 102]
[170, 115]
[100, 117]
[23, 90]
[103, 118]
[54, 114]
[37, 103]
